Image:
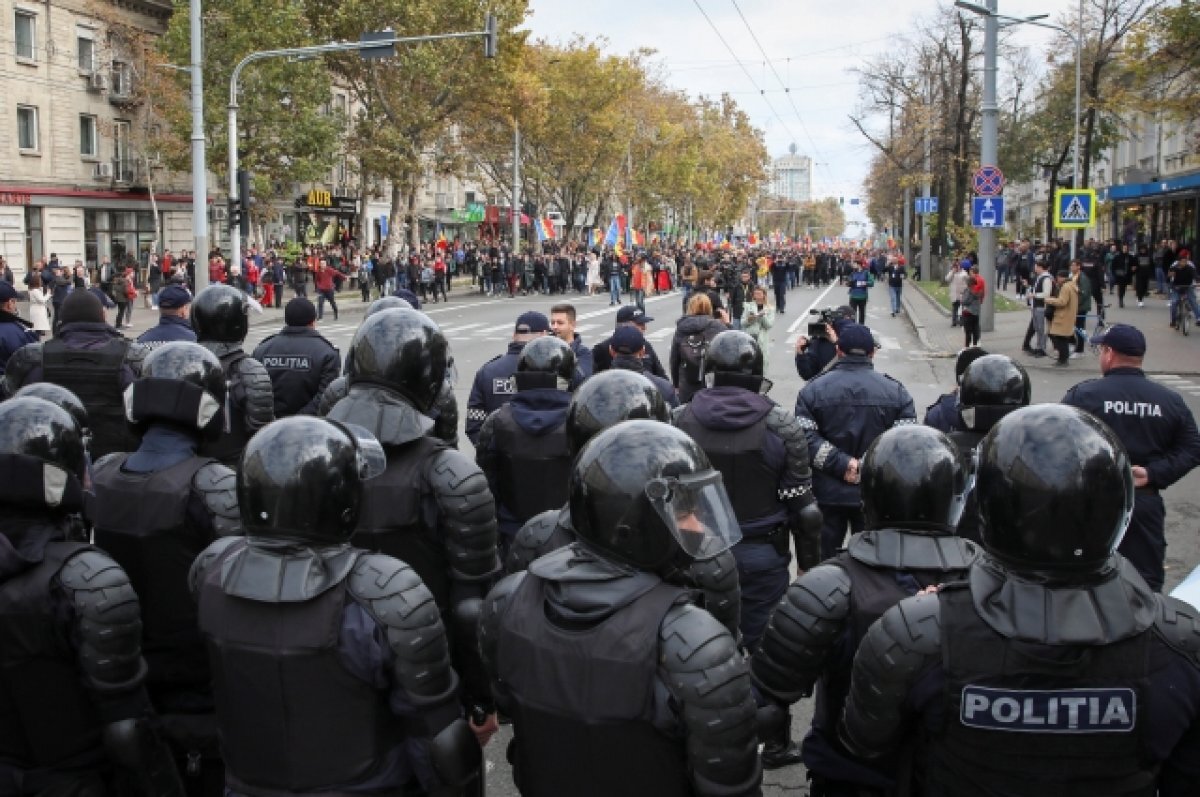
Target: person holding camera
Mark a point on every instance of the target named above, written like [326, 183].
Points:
[818, 348]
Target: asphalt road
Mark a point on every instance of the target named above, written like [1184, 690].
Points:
[479, 328]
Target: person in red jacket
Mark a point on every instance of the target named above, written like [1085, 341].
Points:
[323, 281]
[972, 306]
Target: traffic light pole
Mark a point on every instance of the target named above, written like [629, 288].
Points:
[490, 44]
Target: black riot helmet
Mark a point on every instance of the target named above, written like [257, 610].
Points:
[734, 359]
[545, 362]
[42, 455]
[644, 493]
[221, 314]
[607, 398]
[57, 394]
[1055, 491]
[402, 350]
[990, 388]
[302, 477]
[387, 303]
[914, 478]
[181, 383]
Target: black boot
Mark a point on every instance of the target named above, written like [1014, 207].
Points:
[778, 749]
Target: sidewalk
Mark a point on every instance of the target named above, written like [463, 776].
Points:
[1167, 352]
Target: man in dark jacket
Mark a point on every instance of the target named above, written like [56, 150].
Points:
[15, 331]
[562, 324]
[627, 347]
[299, 360]
[493, 386]
[93, 361]
[842, 413]
[174, 302]
[627, 316]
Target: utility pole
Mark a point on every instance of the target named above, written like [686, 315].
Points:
[199, 164]
[927, 187]
[516, 192]
[988, 149]
[907, 232]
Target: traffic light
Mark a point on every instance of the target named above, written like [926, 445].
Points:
[244, 179]
[235, 214]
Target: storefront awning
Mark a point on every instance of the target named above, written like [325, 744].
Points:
[1124, 193]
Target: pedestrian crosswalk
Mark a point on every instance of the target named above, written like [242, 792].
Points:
[1184, 384]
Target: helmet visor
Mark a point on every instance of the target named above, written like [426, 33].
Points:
[696, 510]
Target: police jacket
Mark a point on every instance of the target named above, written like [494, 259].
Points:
[432, 509]
[353, 675]
[62, 603]
[1040, 689]
[1152, 421]
[15, 332]
[819, 353]
[842, 413]
[665, 703]
[154, 511]
[170, 328]
[301, 364]
[522, 449]
[583, 357]
[631, 362]
[602, 358]
[493, 388]
[818, 626]
[250, 402]
[93, 361]
[943, 413]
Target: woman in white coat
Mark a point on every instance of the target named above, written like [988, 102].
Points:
[758, 316]
[39, 306]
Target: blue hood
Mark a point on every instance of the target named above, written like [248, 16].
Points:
[727, 408]
[541, 410]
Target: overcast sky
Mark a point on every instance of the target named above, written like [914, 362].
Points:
[811, 48]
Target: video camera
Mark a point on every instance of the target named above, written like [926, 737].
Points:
[816, 329]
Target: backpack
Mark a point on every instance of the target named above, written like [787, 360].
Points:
[692, 350]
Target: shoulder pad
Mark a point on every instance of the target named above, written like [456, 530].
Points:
[1177, 623]
[468, 513]
[392, 592]
[217, 486]
[784, 422]
[690, 639]
[538, 537]
[109, 620]
[93, 569]
[211, 554]
[135, 355]
[823, 592]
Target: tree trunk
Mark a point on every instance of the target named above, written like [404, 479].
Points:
[414, 235]
[392, 244]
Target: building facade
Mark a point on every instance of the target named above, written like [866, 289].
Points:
[790, 177]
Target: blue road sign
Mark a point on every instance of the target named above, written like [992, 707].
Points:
[988, 181]
[1074, 208]
[925, 205]
[987, 211]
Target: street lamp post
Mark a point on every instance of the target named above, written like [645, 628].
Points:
[199, 164]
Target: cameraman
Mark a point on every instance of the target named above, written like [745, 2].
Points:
[818, 348]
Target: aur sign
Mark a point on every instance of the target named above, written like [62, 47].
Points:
[322, 201]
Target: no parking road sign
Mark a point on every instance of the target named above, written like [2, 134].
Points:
[1074, 208]
[988, 181]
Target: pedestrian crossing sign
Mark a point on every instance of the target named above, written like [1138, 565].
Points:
[1075, 208]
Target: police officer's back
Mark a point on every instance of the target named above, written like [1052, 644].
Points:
[299, 360]
[92, 360]
[616, 683]
[220, 318]
[174, 303]
[991, 387]
[493, 386]
[522, 447]
[72, 693]
[431, 507]
[330, 664]
[1157, 429]
[914, 485]
[1053, 669]
[842, 413]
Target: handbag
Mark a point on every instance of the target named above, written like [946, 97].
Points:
[130, 290]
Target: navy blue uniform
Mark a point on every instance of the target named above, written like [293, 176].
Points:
[842, 413]
[943, 414]
[170, 329]
[492, 389]
[583, 357]
[1159, 432]
[15, 333]
[602, 359]
[301, 364]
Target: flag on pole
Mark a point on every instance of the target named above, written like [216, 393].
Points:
[616, 231]
[597, 236]
[545, 230]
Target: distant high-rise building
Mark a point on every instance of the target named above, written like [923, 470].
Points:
[790, 177]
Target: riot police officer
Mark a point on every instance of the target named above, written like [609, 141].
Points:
[220, 318]
[174, 302]
[615, 682]
[493, 386]
[70, 628]
[299, 360]
[1157, 429]
[1053, 668]
[330, 664]
[761, 452]
[57, 394]
[522, 447]
[991, 387]
[943, 413]
[93, 361]
[431, 507]
[154, 511]
[842, 413]
[914, 485]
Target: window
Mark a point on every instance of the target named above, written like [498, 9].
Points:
[122, 160]
[87, 136]
[85, 52]
[120, 79]
[27, 128]
[25, 35]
